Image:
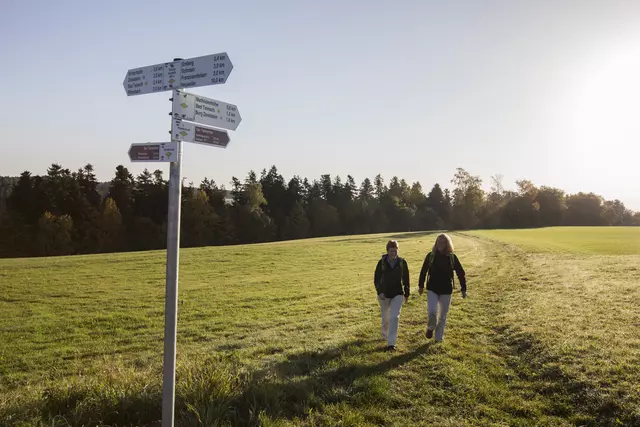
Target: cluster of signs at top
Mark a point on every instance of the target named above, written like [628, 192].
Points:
[195, 118]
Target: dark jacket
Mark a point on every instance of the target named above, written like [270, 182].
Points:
[390, 280]
[441, 274]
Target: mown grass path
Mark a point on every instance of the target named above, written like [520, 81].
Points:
[287, 334]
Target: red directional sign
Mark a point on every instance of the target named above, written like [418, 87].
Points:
[191, 132]
[153, 152]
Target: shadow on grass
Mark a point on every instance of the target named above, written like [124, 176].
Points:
[415, 234]
[223, 391]
[358, 240]
[220, 391]
[385, 237]
[307, 381]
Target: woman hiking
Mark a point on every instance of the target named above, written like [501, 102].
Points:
[391, 281]
[438, 269]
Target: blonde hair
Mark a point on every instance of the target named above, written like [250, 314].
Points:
[449, 249]
[392, 244]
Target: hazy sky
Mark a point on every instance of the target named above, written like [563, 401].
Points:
[543, 90]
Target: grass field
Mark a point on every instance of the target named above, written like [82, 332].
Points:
[286, 334]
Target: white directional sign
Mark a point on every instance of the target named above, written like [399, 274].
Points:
[191, 132]
[194, 108]
[154, 152]
[193, 72]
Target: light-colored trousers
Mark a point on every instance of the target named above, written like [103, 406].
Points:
[390, 313]
[437, 310]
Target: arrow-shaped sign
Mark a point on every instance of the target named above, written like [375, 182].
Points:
[207, 111]
[193, 72]
[154, 152]
[191, 132]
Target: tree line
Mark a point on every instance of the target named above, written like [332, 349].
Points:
[65, 212]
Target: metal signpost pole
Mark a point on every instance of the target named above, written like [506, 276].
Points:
[171, 298]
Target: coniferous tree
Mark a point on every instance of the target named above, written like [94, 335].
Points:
[112, 231]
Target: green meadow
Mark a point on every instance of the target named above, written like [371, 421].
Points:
[287, 334]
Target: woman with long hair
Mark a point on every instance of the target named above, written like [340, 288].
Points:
[438, 269]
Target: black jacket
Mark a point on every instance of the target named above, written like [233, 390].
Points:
[390, 280]
[441, 274]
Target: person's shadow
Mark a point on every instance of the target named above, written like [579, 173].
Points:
[293, 387]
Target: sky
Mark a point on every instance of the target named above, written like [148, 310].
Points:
[543, 90]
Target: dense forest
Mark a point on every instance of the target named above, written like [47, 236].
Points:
[65, 212]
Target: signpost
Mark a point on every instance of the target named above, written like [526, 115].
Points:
[206, 111]
[153, 152]
[171, 292]
[186, 109]
[191, 132]
[179, 74]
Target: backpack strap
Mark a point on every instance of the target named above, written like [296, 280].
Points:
[432, 258]
[452, 258]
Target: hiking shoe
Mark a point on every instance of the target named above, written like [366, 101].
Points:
[429, 334]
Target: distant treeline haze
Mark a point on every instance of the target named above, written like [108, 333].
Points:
[66, 212]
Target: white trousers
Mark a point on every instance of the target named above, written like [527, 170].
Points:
[437, 310]
[390, 313]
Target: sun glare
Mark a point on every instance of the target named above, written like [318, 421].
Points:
[602, 113]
